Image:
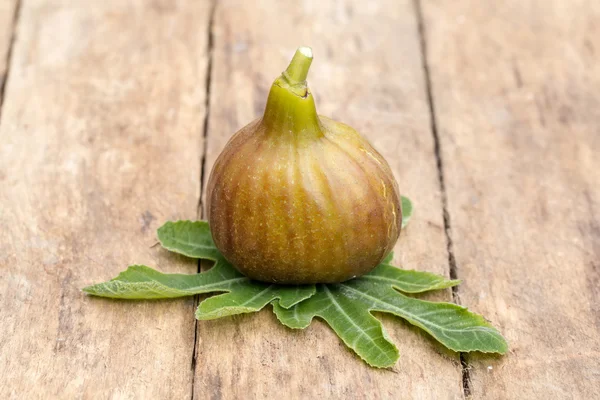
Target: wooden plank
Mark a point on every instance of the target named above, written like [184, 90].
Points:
[7, 16]
[367, 72]
[100, 144]
[516, 96]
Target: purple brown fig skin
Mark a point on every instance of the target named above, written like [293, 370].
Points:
[296, 198]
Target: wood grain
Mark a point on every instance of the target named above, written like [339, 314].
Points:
[7, 14]
[516, 88]
[367, 72]
[100, 144]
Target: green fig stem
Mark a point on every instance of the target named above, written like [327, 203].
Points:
[297, 71]
[290, 110]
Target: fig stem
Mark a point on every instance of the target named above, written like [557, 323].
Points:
[297, 71]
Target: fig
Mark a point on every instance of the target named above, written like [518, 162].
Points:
[297, 198]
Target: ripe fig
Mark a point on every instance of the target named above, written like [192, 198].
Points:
[298, 198]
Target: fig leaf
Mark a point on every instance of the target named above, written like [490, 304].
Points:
[190, 238]
[407, 210]
[346, 307]
[193, 239]
[140, 282]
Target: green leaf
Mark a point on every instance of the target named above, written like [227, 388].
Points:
[190, 238]
[251, 298]
[193, 239]
[407, 210]
[140, 282]
[244, 295]
[388, 259]
[347, 307]
[408, 281]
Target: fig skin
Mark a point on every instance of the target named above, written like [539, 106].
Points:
[296, 198]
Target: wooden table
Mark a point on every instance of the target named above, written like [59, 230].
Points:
[112, 114]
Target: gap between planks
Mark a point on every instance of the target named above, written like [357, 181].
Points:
[200, 208]
[465, 367]
[13, 38]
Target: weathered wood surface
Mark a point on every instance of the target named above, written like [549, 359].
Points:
[368, 73]
[515, 87]
[100, 142]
